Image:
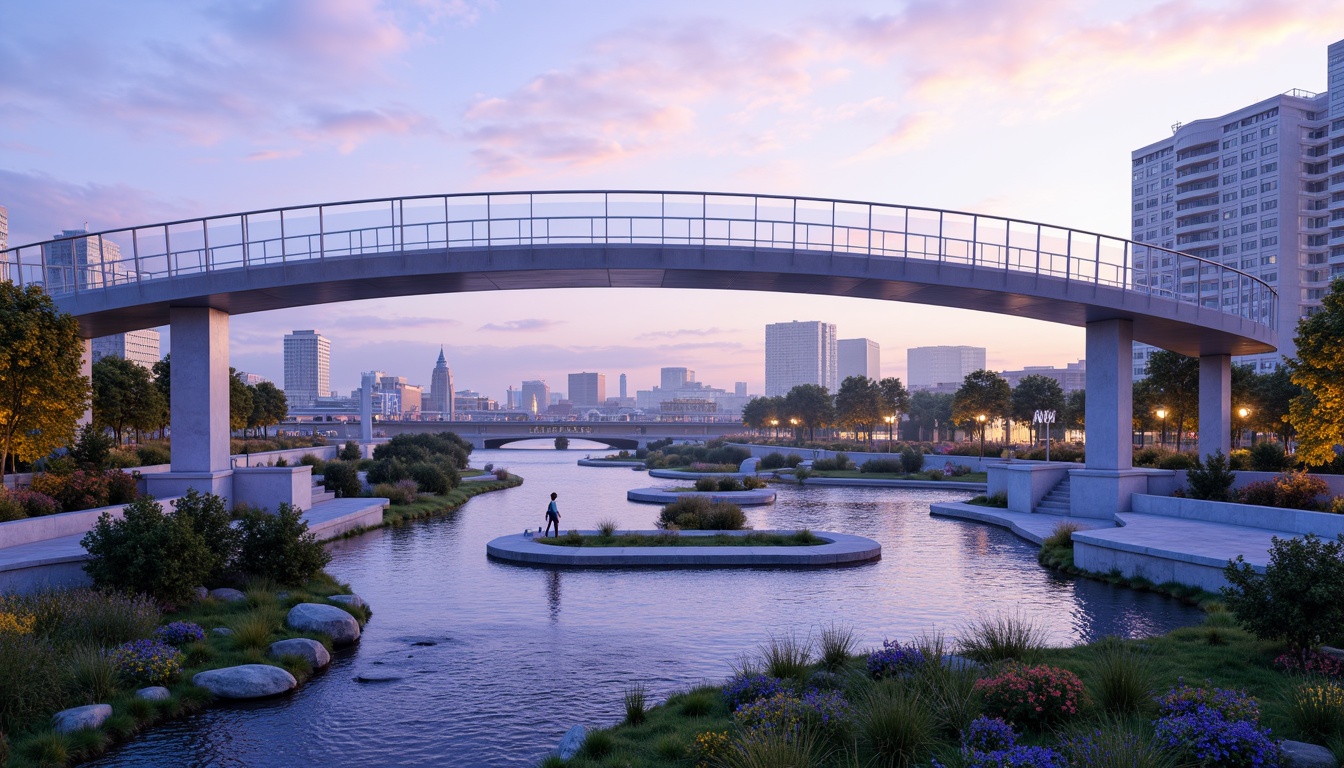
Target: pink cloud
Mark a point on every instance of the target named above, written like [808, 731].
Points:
[41, 206]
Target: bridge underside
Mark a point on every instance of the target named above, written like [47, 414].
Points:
[620, 443]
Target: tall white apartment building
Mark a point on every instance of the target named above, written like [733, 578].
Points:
[858, 357]
[1260, 189]
[4, 227]
[927, 367]
[80, 262]
[800, 353]
[307, 367]
[141, 347]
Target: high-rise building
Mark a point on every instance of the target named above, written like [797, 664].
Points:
[535, 396]
[859, 357]
[739, 389]
[4, 241]
[1070, 378]
[307, 367]
[587, 389]
[799, 353]
[676, 378]
[252, 379]
[81, 262]
[623, 385]
[140, 347]
[441, 398]
[928, 367]
[1259, 189]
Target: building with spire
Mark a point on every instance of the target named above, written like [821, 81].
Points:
[441, 389]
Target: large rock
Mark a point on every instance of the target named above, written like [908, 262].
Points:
[331, 621]
[79, 718]
[222, 631]
[153, 693]
[1299, 754]
[248, 681]
[311, 651]
[227, 594]
[351, 600]
[571, 742]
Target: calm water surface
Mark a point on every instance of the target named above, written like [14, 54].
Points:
[524, 653]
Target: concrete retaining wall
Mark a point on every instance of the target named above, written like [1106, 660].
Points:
[1294, 520]
[931, 460]
[1157, 568]
[31, 529]
[269, 487]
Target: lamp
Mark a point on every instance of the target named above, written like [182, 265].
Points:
[1162, 414]
[890, 420]
[982, 418]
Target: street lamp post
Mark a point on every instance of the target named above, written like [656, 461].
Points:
[1162, 414]
[1243, 412]
[982, 418]
[890, 420]
[797, 438]
[774, 427]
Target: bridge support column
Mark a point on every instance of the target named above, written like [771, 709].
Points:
[200, 405]
[1109, 480]
[1215, 404]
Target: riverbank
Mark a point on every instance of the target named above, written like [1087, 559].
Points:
[430, 506]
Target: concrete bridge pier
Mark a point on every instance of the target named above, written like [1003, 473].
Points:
[1105, 486]
[200, 405]
[1215, 404]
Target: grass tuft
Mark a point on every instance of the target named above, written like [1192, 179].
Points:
[636, 700]
[253, 631]
[1002, 637]
[606, 528]
[1121, 677]
[895, 724]
[598, 744]
[787, 656]
[699, 702]
[93, 674]
[1315, 706]
[765, 748]
[837, 643]
[671, 748]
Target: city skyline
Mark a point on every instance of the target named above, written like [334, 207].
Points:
[857, 103]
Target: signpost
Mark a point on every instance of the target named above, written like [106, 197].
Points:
[1047, 418]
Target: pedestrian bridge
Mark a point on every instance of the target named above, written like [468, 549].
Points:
[627, 435]
[193, 274]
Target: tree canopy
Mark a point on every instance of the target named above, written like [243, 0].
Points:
[124, 397]
[811, 404]
[269, 406]
[43, 392]
[982, 393]
[1173, 380]
[1037, 393]
[1317, 412]
[240, 401]
[858, 404]
[929, 411]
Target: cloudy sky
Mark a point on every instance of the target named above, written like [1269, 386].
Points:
[129, 113]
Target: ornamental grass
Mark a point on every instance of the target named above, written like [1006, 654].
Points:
[1002, 637]
[1316, 709]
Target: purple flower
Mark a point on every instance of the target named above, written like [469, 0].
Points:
[746, 688]
[987, 734]
[1230, 704]
[893, 660]
[179, 633]
[1207, 738]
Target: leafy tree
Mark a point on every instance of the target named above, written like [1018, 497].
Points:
[1319, 370]
[124, 397]
[1299, 598]
[240, 401]
[858, 404]
[163, 381]
[894, 400]
[92, 448]
[269, 406]
[1273, 398]
[1174, 379]
[982, 393]
[811, 404]
[1036, 393]
[756, 413]
[928, 412]
[43, 393]
[1075, 409]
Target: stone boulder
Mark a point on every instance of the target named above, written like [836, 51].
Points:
[351, 600]
[79, 718]
[247, 681]
[331, 621]
[227, 594]
[222, 631]
[153, 693]
[201, 593]
[311, 651]
[571, 742]
[1299, 754]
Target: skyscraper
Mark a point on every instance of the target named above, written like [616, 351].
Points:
[1257, 189]
[307, 367]
[441, 389]
[930, 366]
[799, 353]
[587, 389]
[535, 396]
[676, 378]
[623, 386]
[859, 357]
[80, 262]
[140, 347]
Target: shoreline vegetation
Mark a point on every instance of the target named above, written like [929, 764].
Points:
[801, 538]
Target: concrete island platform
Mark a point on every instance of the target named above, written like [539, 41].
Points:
[631, 464]
[839, 549]
[753, 498]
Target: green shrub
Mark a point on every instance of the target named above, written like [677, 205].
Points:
[772, 460]
[1269, 456]
[911, 460]
[1239, 459]
[10, 508]
[148, 551]
[752, 483]
[153, 454]
[342, 479]
[692, 513]
[390, 470]
[208, 517]
[349, 451]
[706, 484]
[279, 547]
[422, 447]
[92, 448]
[404, 492]
[309, 460]
[1290, 490]
[561, 443]
[430, 478]
[729, 484]
[882, 466]
[1176, 461]
[1300, 596]
[1211, 479]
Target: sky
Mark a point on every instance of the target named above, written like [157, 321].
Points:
[130, 113]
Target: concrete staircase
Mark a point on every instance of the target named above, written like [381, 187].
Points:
[321, 494]
[1056, 502]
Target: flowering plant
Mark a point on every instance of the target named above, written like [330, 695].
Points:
[16, 623]
[992, 743]
[746, 688]
[1031, 696]
[34, 504]
[826, 712]
[1311, 662]
[1206, 738]
[709, 748]
[893, 659]
[147, 661]
[179, 633]
[986, 734]
[1229, 704]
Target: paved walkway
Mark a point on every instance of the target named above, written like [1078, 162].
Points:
[1031, 526]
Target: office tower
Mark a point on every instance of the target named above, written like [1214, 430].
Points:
[799, 353]
[140, 347]
[253, 379]
[535, 396]
[441, 389]
[400, 398]
[587, 389]
[1261, 189]
[81, 262]
[739, 389]
[676, 378]
[307, 367]
[623, 383]
[1070, 378]
[931, 366]
[859, 357]
[4, 227]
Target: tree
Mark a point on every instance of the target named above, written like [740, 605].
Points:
[756, 413]
[240, 401]
[1036, 393]
[124, 397]
[858, 404]
[43, 393]
[1319, 370]
[811, 404]
[984, 397]
[1273, 398]
[269, 406]
[929, 412]
[1075, 410]
[163, 381]
[894, 400]
[1174, 379]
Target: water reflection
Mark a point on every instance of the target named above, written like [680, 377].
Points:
[507, 673]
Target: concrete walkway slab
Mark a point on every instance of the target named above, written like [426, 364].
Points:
[1031, 526]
